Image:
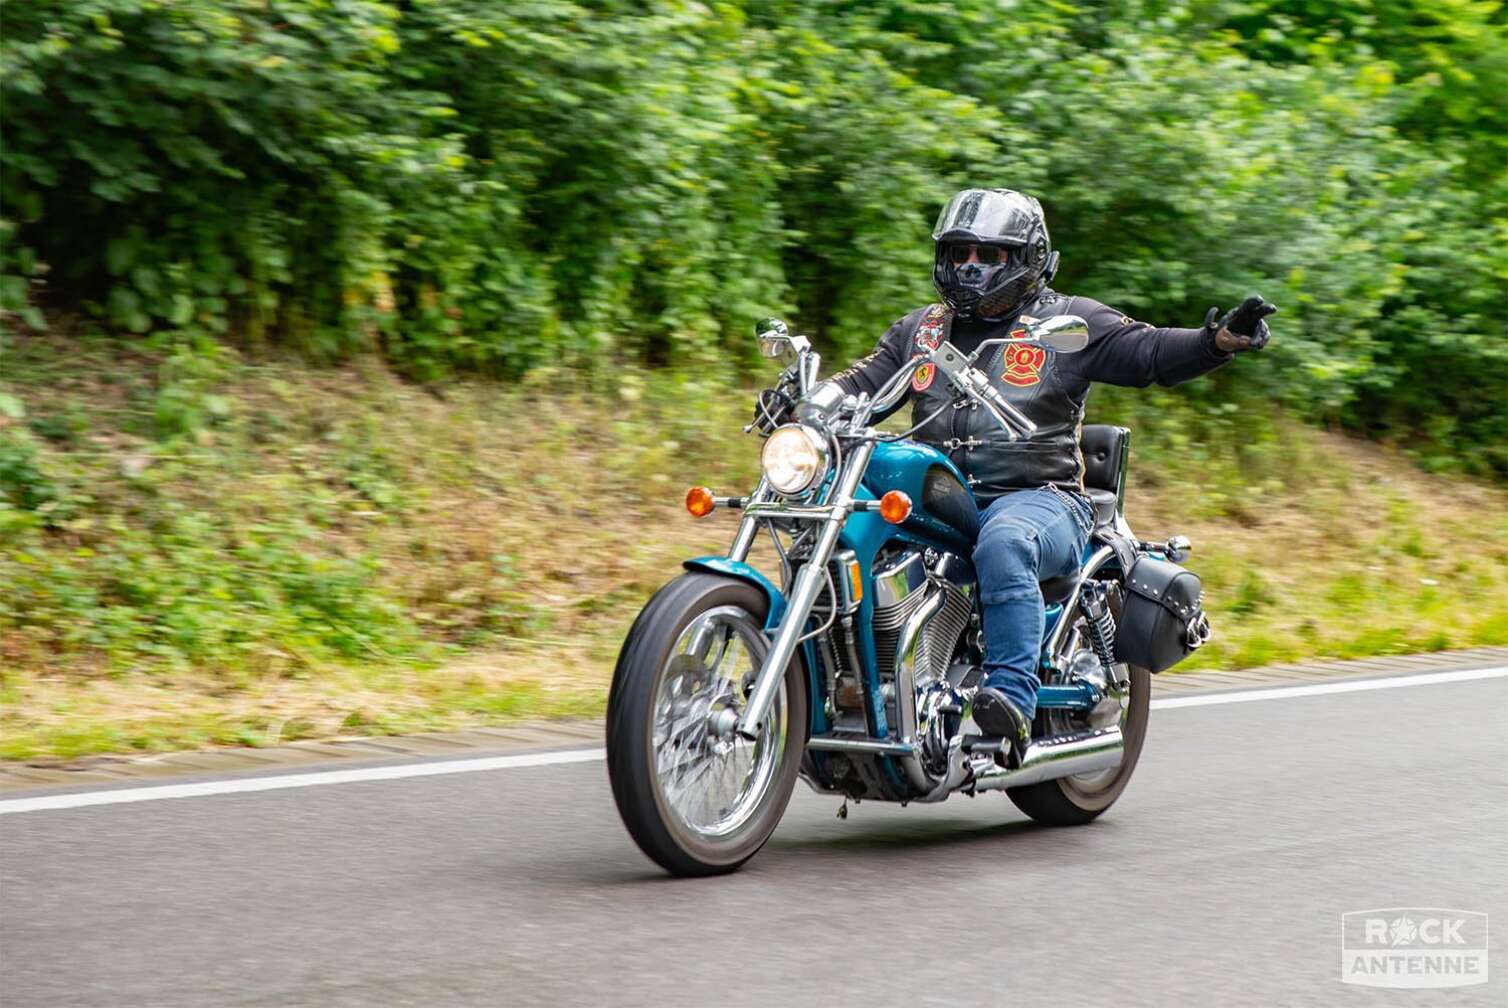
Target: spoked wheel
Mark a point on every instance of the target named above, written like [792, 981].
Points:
[1073, 801]
[696, 796]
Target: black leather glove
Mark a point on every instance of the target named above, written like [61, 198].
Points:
[1241, 328]
[771, 409]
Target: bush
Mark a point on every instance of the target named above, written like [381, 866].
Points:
[498, 187]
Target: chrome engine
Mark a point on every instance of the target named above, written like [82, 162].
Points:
[922, 608]
[922, 616]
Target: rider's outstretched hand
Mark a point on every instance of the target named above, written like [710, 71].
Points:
[1241, 328]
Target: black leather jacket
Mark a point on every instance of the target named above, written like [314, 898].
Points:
[1049, 388]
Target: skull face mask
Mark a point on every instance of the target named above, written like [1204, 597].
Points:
[992, 252]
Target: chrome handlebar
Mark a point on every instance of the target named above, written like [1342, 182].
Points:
[826, 402]
[975, 384]
[822, 403]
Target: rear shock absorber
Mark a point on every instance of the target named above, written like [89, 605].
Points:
[1101, 626]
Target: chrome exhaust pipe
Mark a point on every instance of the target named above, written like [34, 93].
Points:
[1046, 759]
[1049, 759]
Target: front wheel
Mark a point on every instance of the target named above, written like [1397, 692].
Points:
[697, 797]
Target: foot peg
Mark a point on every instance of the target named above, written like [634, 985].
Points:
[994, 713]
[998, 749]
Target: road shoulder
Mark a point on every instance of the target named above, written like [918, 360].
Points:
[41, 776]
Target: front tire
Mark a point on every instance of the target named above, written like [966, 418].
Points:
[696, 797]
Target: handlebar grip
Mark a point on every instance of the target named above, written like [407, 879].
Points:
[1002, 420]
[997, 400]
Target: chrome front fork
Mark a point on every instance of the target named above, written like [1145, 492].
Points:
[804, 590]
[748, 528]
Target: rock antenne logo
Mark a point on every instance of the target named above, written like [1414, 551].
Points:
[1413, 947]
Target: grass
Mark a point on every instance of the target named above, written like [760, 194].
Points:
[200, 550]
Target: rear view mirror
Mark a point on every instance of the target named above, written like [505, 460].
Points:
[776, 341]
[774, 338]
[1063, 333]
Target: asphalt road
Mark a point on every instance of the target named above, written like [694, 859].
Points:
[1218, 879]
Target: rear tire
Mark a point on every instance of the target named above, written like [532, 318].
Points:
[1070, 801]
[657, 679]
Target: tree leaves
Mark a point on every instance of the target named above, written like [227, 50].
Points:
[484, 186]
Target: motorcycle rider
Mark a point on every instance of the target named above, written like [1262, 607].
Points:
[992, 265]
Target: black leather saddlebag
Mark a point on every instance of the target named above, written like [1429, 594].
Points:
[1162, 619]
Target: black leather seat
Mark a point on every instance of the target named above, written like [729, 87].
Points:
[1105, 449]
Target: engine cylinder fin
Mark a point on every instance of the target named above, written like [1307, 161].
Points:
[940, 636]
[887, 624]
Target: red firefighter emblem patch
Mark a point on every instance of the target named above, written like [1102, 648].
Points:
[922, 380]
[1023, 364]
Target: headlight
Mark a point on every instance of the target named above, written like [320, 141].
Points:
[794, 459]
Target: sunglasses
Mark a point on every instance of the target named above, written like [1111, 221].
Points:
[988, 255]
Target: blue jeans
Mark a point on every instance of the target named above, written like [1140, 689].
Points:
[1025, 537]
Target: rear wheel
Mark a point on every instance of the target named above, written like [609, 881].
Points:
[1074, 801]
[697, 797]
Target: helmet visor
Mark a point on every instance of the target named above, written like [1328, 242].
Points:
[986, 215]
[962, 253]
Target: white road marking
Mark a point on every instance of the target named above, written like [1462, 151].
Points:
[1342, 686]
[282, 782]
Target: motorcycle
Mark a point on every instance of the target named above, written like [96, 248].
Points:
[856, 673]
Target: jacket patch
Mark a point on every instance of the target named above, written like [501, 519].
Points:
[930, 330]
[1023, 364]
[922, 380]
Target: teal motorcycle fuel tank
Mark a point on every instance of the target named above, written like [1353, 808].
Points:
[943, 515]
[942, 507]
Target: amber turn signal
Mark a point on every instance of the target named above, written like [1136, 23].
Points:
[895, 507]
[700, 503]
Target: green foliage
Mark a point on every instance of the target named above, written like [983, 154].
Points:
[335, 549]
[23, 485]
[469, 185]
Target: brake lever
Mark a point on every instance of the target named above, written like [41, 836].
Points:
[951, 362]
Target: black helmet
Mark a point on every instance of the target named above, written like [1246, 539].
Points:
[1002, 219]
